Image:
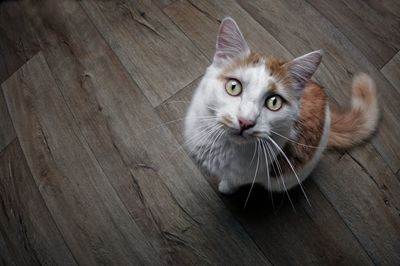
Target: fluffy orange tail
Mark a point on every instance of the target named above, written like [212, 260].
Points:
[351, 127]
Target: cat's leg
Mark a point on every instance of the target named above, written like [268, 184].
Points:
[227, 187]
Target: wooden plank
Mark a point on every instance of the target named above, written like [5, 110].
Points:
[89, 214]
[341, 60]
[167, 60]
[7, 132]
[173, 205]
[372, 26]
[315, 235]
[314, 31]
[26, 224]
[17, 41]
[368, 210]
[199, 20]
[7, 256]
[392, 71]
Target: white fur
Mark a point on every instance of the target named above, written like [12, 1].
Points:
[213, 142]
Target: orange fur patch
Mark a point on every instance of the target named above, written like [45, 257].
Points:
[310, 127]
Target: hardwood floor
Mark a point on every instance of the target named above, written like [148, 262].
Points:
[90, 174]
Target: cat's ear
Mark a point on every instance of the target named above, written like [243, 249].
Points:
[302, 68]
[230, 42]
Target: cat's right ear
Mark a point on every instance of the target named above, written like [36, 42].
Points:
[230, 42]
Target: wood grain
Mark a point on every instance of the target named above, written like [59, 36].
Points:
[174, 207]
[199, 20]
[392, 71]
[15, 34]
[7, 133]
[278, 232]
[341, 60]
[167, 60]
[371, 215]
[367, 24]
[25, 221]
[68, 176]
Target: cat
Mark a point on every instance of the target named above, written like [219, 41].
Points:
[256, 119]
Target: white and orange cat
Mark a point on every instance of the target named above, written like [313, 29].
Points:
[255, 119]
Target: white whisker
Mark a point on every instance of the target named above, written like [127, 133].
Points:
[291, 166]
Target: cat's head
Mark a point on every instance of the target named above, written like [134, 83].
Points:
[253, 95]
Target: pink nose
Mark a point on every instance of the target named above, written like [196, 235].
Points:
[246, 124]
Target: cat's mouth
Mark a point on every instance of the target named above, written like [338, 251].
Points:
[241, 136]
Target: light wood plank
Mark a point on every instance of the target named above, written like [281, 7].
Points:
[315, 235]
[173, 205]
[372, 26]
[31, 234]
[93, 221]
[157, 55]
[392, 71]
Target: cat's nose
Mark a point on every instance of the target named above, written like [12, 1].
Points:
[245, 124]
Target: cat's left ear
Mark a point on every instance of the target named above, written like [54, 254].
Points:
[230, 42]
[302, 68]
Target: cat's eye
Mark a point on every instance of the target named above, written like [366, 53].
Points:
[274, 103]
[233, 87]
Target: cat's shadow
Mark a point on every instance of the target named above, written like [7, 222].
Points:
[263, 203]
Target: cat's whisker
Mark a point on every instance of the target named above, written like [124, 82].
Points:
[255, 174]
[281, 176]
[192, 138]
[212, 133]
[263, 143]
[291, 166]
[219, 135]
[298, 143]
[254, 154]
[212, 138]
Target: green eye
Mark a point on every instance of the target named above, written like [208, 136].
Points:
[274, 103]
[233, 87]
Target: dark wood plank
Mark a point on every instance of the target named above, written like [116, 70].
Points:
[392, 71]
[341, 60]
[167, 60]
[367, 209]
[173, 205]
[312, 31]
[89, 214]
[25, 222]
[199, 20]
[7, 256]
[372, 26]
[7, 132]
[367, 155]
[315, 235]
[17, 41]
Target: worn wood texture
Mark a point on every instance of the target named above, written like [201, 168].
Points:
[25, 222]
[167, 60]
[68, 176]
[276, 232]
[199, 20]
[14, 30]
[392, 71]
[97, 170]
[182, 218]
[372, 215]
[341, 61]
[367, 24]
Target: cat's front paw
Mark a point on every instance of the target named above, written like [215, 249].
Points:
[226, 187]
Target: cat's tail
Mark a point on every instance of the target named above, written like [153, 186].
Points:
[352, 126]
